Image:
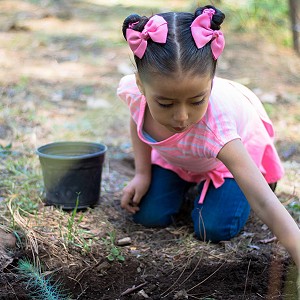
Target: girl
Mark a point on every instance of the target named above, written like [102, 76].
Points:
[189, 126]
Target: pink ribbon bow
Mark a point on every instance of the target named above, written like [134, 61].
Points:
[156, 29]
[203, 34]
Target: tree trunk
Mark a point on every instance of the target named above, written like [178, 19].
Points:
[295, 22]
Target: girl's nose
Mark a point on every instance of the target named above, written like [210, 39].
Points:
[181, 115]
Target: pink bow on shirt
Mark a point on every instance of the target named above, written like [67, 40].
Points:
[203, 34]
[156, 29]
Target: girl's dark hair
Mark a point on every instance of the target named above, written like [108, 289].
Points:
[179, 53]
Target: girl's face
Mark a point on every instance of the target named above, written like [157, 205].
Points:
[177, 103]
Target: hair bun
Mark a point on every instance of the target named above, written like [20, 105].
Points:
[217, 18]
[129, 20]
[134, 18]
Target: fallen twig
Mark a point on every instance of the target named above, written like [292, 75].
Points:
[246, 279]
[133, 289]
[267, 241]
[166, 292]
[207, 277]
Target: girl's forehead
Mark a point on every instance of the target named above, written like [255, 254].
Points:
[179, 86]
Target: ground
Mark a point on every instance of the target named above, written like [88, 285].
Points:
[60, 65]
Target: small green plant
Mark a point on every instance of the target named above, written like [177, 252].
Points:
[87, 245]
[71, 222]
[114, 251]
[73, 235]
[40, 287]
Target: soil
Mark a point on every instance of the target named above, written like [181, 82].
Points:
[164, 263]
[49, 86]
[160, 264]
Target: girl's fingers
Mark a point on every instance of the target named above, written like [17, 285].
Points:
[126, 197]
[136, 199]
[131, 208]
[128, 201]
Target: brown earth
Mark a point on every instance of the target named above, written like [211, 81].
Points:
[56, 85]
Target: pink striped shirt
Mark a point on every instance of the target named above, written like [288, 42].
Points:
[234, 112]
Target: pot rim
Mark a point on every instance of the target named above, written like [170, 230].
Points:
[102, 150]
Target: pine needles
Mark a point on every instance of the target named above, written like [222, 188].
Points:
[40, 287]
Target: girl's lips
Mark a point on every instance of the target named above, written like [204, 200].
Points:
[179, 129]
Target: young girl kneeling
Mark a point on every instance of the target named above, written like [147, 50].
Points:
[188, 126]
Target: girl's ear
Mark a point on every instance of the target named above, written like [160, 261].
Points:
[139, 83]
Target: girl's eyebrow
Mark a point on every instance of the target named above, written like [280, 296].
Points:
[166, 98]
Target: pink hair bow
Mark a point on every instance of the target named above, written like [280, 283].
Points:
[156, 29]
[203, 34]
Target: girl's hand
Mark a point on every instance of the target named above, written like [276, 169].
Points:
[134, 191]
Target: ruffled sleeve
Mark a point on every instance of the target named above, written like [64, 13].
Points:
[254, 100]
[129, 93]
[238, 113]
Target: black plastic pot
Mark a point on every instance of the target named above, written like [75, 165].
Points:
[72, 170]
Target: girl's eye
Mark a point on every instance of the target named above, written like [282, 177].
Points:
[198, 102]
[164, 105]
[171, 104]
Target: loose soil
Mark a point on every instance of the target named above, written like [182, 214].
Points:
[59, 85]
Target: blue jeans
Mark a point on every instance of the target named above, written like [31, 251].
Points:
[222, 215]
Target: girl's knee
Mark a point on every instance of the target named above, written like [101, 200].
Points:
[208, 233]
[163, 199]
[223, 214]
[219, 229]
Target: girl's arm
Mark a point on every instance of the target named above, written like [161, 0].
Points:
[139, 185]
[260, 197]
[142, 152]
